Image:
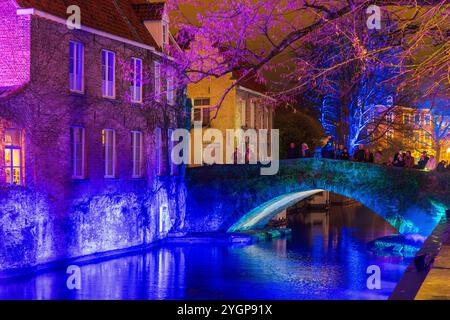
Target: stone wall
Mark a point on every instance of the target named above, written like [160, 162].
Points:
[411, 200]
[32, 234]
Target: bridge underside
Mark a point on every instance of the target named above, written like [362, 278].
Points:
[261, 215]
[230, 198]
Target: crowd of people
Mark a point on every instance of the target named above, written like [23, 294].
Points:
[402, 159]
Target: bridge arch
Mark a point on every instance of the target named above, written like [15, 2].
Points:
[220, 197]
[262, 214]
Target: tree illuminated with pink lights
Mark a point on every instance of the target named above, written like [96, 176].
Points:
[320, 46]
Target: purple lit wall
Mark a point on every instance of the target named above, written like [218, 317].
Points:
[14, 37]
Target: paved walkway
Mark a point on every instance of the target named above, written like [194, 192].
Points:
[437, 283]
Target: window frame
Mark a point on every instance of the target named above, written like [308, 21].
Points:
[76, 60]
[11, 167]
[170, 90]
[74, 153]
[105, 73]
[202, 107]
[157, 75]
[106, 153]
[159, 165]
[134, 87]
[134, 161]
[252, 119]
[243, 110]
[171, 145]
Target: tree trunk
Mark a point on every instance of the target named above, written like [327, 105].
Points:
[438, 151]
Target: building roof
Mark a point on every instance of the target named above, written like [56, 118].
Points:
[116, 17]
[149, 11]
[250, 82]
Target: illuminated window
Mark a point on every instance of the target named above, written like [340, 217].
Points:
[137, 151]
[406, 118]
[13, 157]
[77, 139]
[390, 117]
[390, 135]
[76, 66]
[136, 84]
[157, 81]
[109, 149]
[108, 74]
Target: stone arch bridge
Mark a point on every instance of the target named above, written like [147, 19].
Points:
[236, 197]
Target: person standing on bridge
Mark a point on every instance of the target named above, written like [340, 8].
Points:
[369, 156]
[423, 161]
[345, 155]
[409, 160]
[360, 154]
[304, 151]
[292, 151]
[431, 164]
[378, 157]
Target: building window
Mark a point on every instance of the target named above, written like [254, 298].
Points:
[13, 157]
[108, 74]
[202, 110]
[136, 84]
[157, 81]
[406, 118]
[170, 90]
[109, 148]
[390, 135]
[427, 120]
[243, 110]
[173, 166]
[160, 155]
[252, 114]
[390, 117]
[76, 67]
[77, 138]
[417, 119]
[136, 149]
[267, 117]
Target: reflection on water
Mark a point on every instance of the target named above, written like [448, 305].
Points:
[325, 258]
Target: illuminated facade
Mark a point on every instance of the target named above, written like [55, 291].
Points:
[416, 130]
[81, 127]
[246, 106]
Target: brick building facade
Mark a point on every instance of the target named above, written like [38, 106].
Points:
[70, 131]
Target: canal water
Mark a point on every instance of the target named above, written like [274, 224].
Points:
[326, 257]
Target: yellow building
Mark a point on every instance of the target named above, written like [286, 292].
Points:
[418, 130]
[246, 106]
